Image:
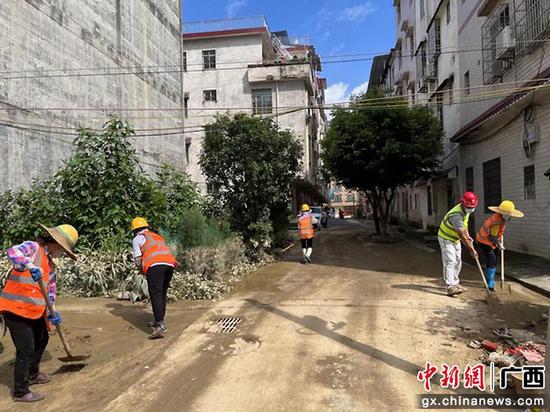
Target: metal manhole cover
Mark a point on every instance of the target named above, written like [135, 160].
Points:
[226, 324]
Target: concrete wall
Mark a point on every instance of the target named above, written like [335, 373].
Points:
[532, 233]
[106, 36]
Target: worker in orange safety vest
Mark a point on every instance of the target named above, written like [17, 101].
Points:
[23, 305]
[490, 236]
[306, 222]
[156, 261]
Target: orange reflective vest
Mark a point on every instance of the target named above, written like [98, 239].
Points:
[155, 250]
[484, 235]
[22, 295]
[305, 224]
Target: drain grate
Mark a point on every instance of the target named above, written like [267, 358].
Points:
[228, 324]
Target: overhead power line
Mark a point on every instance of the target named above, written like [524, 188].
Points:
[175, 68]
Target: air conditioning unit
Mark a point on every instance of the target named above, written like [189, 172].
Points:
[505, 43]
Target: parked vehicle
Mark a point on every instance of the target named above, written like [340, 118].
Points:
[317, 212]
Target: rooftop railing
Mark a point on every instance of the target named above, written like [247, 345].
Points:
[238, 23]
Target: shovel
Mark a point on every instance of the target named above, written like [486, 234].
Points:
[70, 357]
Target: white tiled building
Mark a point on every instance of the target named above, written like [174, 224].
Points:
[239, 65]
[477, 62]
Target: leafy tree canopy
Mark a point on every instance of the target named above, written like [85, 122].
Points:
[378, 148]
[249, 164]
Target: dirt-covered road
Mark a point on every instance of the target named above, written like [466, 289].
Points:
[347, 333]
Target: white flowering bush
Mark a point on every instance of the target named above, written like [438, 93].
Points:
[204, 273]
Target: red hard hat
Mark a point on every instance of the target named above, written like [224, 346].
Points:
[469, 200]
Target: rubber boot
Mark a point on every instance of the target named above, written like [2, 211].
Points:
[490, 277]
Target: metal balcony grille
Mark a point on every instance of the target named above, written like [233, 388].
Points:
[426, 71]
[532, 23]
[434, 40]
[498, 42]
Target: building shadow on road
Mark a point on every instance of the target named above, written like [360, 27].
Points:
[135, 315]
[321, 327]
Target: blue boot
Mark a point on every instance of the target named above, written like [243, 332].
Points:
[490, 277]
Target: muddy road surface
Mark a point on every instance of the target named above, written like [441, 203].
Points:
[346, 333]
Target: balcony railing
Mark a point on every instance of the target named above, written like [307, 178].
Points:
[532, 23]
[498, 44]
[238, 23]
[424, 69]
[434, 40]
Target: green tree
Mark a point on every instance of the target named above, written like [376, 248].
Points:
[99, 190]
[103, 185]
[377, 149]
[249, 164]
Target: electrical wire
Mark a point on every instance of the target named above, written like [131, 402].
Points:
[241, 108]
[199, 128]
[177, 68]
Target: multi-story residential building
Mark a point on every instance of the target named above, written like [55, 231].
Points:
[504, 149]
[482, 65]
[352, 202]
[68, 64]
[240, 65]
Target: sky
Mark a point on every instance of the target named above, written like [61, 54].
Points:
[336, 27]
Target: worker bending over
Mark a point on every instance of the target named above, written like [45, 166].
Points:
[156, 261]
[24, 307]
[490, 237]
[452, 232]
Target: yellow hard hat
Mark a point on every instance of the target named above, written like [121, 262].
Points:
[66, 236]
[138, 223]
[305, 207]
[507, 208]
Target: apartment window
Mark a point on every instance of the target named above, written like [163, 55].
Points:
[416, 201]
[529, 182]
[504, 16]
[186, 105]
[467, 82]
[350, 198]
[338, 198]
[492, 190]
[262, 102]
[422, 10]
[448, 11]
[184, 61]
[208, 59]
[210, 95]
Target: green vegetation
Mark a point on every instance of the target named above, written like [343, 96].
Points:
[99, 190]
[249, 164]
[377, 149]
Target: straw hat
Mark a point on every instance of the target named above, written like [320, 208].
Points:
[507, 208]
[65, 235]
